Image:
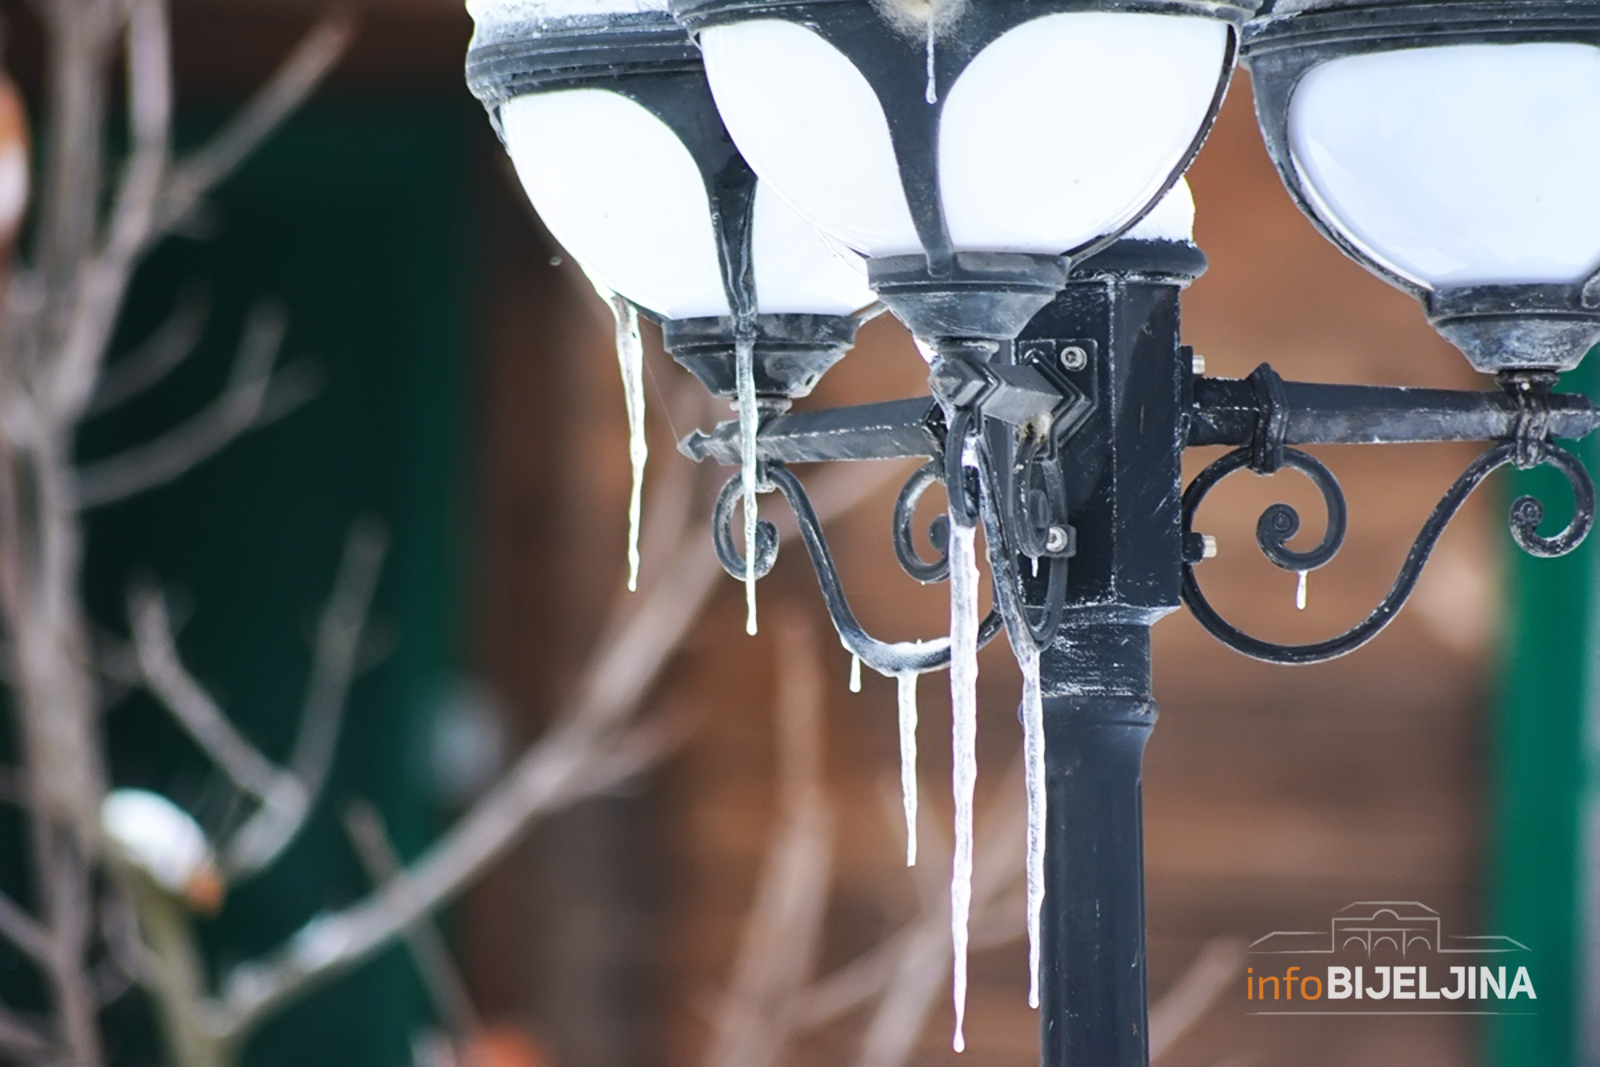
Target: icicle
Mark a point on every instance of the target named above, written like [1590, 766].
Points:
[906, 685]
[855, 673]
[1300, 592]
[1033, 774]
[964, 727]
[931, 94]
[744, 369]
[630, 358]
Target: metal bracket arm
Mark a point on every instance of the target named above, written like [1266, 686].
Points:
[894, 429]
[1226, 411]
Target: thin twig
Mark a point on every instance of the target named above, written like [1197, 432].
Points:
[649, 627]
[104, 280]
[429, 953]
[1193, 994]
[252, 397]
[784, 926]
[288, 88]
[340, 631]
[191, 706]
[23, 930]
[154, 358]
[23, 1039]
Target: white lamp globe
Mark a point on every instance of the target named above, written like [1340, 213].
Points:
[596, 102]
[1043, 128]
[1449, 146]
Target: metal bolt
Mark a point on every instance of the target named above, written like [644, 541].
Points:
[1208, 546]
[1198, 362]
[1056, 540]
[1074, 357]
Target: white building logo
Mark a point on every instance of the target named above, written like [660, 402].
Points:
[1394, 959]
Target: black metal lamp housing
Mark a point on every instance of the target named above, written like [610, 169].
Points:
[1450, 146]
[604, 108]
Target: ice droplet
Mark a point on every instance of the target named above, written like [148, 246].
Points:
[855, 673]
[906, 690]
[964, 745]
[744, 371]
[630, 359]
[1034, 776]
[1300, 592]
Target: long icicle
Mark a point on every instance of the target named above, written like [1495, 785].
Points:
[630, 357]
[906, 691]
[1034, 776]
[744, 370]
[964, 730]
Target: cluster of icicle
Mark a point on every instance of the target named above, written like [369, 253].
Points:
[964, 616]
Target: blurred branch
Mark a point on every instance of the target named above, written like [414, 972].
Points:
[154, 358]
[191, 706]
[427, 946]
[333, 666]
[784, 926]
[252, 397]
[288, 88]
[23, 1040]
[646, 630]
[23, 930]
[1193, 994]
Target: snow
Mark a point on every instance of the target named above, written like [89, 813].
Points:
[1034, 777]
[744, 367]
[906, 691]
[521, 11]
[1172, 219]
[964, 745]
[931, 93]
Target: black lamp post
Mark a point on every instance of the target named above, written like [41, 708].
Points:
[1061, 399]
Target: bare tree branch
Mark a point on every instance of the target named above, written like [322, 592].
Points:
[252, 397]
[443, 981]
[104, 280]
[333, 666]
[23, 930]
[784, 927]
[23, 1039]
[1193, 994]
[283, 93]
[154, 358]
[550, 775]
[191, 706]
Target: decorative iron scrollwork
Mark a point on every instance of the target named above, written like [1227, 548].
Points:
[1280, 522]
[888, 658]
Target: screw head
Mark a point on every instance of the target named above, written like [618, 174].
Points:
[1198, 363]
[1056, 540]
[1208, 546]
[1074, 357]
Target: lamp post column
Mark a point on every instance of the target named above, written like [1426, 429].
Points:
[1121, 311]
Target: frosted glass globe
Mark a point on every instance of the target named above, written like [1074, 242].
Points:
[625, 198]
[1056, 134]
[1067, 127]
[622, 194]
[1459, 165]
[807, 121]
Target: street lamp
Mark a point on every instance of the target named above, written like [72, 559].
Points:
[1010, 171]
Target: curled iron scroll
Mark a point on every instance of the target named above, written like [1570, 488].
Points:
[1524, 518]
[884, 657]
